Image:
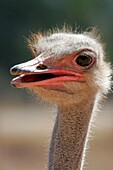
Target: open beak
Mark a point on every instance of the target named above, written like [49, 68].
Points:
[36, 73]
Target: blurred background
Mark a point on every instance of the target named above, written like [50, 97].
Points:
[25, 127]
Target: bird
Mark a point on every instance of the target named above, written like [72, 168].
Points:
[70, 70]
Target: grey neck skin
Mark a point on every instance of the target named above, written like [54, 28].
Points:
[69, 136]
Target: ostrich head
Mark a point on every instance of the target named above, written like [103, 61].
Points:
[68, 67]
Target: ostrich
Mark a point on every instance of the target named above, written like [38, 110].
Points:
[70, 71]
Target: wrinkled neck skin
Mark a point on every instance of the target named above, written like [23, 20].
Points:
[69, 136]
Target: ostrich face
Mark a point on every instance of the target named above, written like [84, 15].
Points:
[67, 67]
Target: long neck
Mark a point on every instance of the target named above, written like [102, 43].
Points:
[69, 136]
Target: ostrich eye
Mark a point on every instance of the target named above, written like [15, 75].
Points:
[83, 60]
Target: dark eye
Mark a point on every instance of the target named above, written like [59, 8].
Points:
[83, 60]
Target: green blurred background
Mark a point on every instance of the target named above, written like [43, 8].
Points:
[21, 136]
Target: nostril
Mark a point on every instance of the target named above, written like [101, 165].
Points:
[41, 67]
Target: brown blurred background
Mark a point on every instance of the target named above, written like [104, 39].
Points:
[25, 128]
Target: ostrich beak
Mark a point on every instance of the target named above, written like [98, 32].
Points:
[27, 67]
[36, 73]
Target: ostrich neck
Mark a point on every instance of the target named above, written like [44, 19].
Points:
[69, 136]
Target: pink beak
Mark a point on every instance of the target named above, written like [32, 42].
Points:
[36, 73]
